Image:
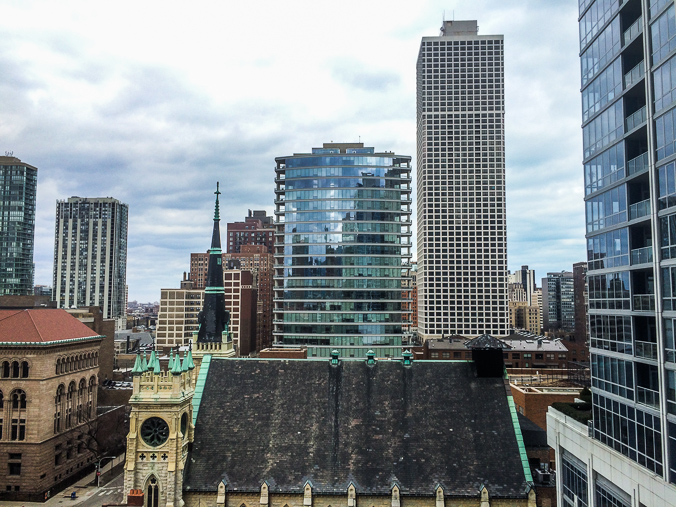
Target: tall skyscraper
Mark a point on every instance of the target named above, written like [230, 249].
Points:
[90, 254]
[462, 239]
[628, 64]
[343, 236]
[18, 182]
[558, 301]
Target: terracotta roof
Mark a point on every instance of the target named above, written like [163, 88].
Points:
[41, 326]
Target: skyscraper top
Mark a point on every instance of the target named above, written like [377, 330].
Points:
[460, 28]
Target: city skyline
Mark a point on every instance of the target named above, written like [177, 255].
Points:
[159, 118]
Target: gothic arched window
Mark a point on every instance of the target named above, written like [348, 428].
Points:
[152, 493]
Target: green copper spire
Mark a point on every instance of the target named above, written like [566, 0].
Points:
[176, 370]
[154, 363]
[184, 367]
[171, 360]
[216, 214]
[144, 363]
[191, 364]
[137, 370]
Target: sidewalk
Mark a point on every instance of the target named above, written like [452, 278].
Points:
[85, 488]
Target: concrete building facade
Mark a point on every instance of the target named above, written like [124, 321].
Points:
[462, 234]
[90, 254]
[18, 187]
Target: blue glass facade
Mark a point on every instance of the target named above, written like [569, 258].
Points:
[17, 226]
[343, 233]
[628, 63]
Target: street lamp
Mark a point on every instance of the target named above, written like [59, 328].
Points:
[98, 469]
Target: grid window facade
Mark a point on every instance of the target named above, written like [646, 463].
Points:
[90, 254]
[462, 260]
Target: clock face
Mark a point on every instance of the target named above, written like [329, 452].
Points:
[154, 431]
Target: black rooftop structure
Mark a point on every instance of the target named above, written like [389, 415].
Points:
[214, 318]
[420, 425]
[487, 354]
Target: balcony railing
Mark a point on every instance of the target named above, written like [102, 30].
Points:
[646, 349]
[635, 119]
[642, 255]
[634, 75]
[639, 209]
[638, 164]
[631, 32]
[647, 396]
[644, 302]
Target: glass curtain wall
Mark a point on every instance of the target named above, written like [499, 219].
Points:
[343, 235]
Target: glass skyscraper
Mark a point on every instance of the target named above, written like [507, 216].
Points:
[628, 71]
[17, 226]
[343, 235]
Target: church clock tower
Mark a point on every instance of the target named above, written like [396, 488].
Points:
[160, 429]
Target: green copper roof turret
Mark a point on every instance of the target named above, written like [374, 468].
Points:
[191, 364]
[154, 362]
[184, 366]
[137, 369]
[144, 363]
[176, 370]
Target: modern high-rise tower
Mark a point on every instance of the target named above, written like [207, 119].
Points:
[343, 237]
[90, 254]
[18, 186]
[628, 69]
[462, 235]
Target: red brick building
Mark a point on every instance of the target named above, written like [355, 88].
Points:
[256, 229]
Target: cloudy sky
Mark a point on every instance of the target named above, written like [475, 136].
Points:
[152, 102]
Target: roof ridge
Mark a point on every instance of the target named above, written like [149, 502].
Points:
[35, 325]
[10, 315]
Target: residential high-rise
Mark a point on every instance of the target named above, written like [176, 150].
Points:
[558, 301]
[462, 239]
[18, 184]
[628, 64]
[257, 229]
[343, 234]
[90, 254]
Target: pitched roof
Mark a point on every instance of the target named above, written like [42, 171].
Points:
[289, 421]
[41, 326]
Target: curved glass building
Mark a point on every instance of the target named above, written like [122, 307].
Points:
[343, 235]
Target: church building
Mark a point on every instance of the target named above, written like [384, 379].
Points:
[214, 430]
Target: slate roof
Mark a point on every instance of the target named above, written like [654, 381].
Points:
[289, 421]
[486, 341]
[41, 326]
